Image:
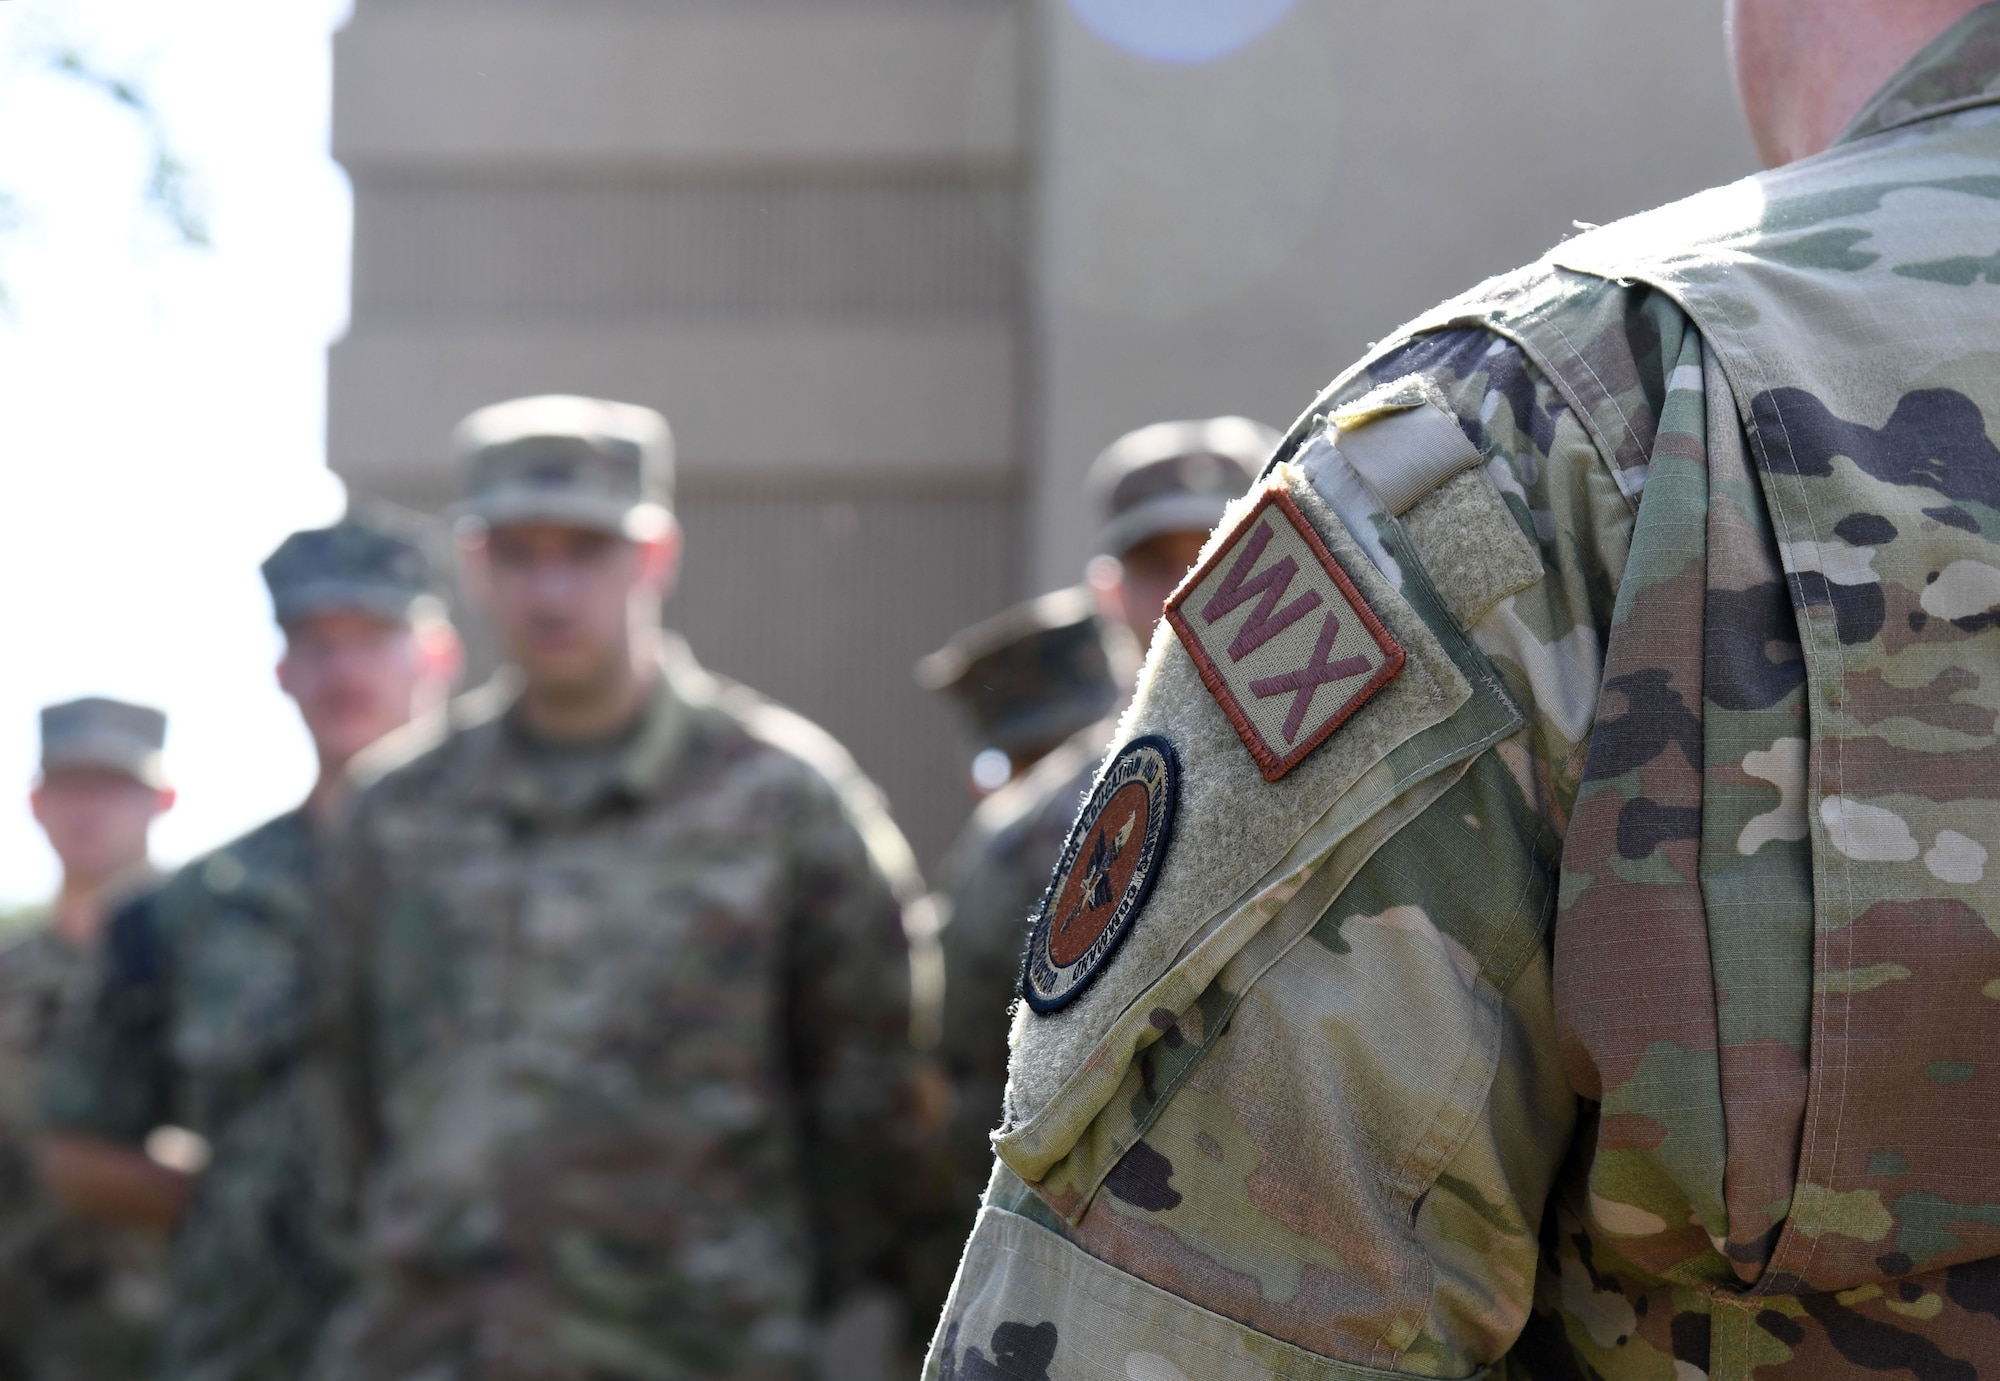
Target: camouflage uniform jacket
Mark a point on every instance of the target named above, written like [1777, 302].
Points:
[78, 1302]
[200, 1020]
[994, 876]
[633, 1045]
[1614, 993]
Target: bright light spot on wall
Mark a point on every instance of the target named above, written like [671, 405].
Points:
[1181, 31]
[991, 770]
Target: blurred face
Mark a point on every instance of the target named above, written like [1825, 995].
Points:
[567, 601]
[96, 819]
[355, 678]
[1148, 574]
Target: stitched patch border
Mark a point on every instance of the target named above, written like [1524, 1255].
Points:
[1108, 889]
[1273, 763]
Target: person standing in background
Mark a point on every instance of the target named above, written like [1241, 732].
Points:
[1158, 491]
[201, 1012]
[630, 1013]
[1036, 683]
[79, 1301]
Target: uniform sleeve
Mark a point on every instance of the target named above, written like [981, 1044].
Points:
[1333, 1151]
[869, 1110]
[109, 1073]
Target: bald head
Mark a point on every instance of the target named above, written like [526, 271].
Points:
[1805, 68]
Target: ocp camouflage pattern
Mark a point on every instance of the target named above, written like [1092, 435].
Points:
[630, 1040]
[1662, 1043]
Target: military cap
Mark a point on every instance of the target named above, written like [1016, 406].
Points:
[1174, 477]
[363, 564]
[557, 458]
[110, 735]
[1031, 675]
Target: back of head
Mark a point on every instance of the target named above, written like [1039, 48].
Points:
[574, 461]
[1174, 477]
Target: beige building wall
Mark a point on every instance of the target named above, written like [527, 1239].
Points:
[896, 269]
[1227, 238]
[792, 227]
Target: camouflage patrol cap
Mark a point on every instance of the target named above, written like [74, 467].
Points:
[558, 458]
[1031, 675]
[362, 564]
[1174, 477]
[108, 735]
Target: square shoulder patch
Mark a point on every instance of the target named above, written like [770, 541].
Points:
[1281, 637]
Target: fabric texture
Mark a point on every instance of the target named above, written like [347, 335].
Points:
[993, 881]
[1722, 900]
[1280, 636]
[1405, 453]
[632, 1066]
[78, 1302]
[201, 1018]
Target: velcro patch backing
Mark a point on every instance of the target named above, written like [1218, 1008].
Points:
[1405, 455]
[1280, 636]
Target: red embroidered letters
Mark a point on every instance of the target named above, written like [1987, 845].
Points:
[1282, 638]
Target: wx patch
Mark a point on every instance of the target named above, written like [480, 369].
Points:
[1282, 639]
[1107, 867]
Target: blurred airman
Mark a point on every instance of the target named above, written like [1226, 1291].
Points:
[1035, 684]
[78, 1301]
[192, 1044]
[632, 993]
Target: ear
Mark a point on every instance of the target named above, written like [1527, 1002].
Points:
[35, 802]
[164, 800]
[1105, 575]
[285, 671]
[660, 559]
[440, 653]
[475, 563]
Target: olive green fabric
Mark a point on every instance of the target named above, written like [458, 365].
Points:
[1661, 1044]
[635, 1094]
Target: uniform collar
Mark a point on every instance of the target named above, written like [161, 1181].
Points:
[637, 771]
[1958, 71]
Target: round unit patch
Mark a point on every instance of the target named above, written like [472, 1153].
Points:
[1114, 852]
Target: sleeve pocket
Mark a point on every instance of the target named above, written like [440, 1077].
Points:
[1028, 1304]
